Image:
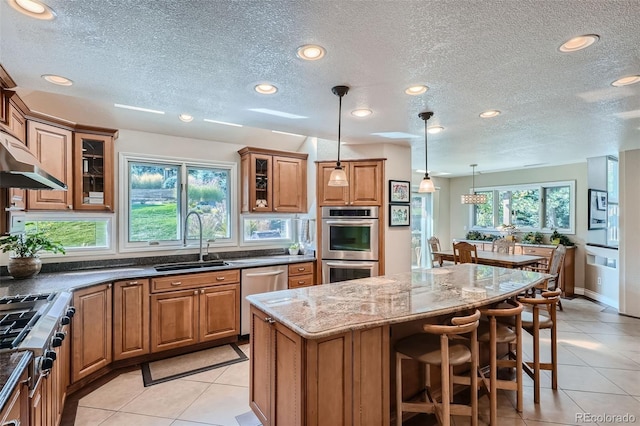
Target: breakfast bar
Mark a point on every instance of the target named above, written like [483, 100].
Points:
[321, 355]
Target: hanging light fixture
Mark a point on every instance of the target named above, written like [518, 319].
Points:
[338, 177]
[473, 198]
[427, 184]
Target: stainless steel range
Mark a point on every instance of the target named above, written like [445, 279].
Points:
[35, 322]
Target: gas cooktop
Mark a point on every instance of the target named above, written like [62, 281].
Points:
[18, 315]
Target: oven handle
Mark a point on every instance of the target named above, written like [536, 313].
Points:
[350, 265]
[349, 222]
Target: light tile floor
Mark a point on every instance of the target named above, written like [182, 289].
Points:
[599, 374]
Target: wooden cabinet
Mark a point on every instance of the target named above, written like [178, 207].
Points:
[365, 184]
[301, 275]
[273, 181]
[130, 318]
[276, 389]
[336, 380]
[93, 172]
[189, 309]
[92, 330]
[53, 147]
[15, 410]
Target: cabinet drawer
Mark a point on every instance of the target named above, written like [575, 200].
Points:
[301, 268]
[537, 251]
[178, 282]
[301, 281]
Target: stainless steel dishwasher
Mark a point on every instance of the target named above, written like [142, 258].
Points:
[260, 280]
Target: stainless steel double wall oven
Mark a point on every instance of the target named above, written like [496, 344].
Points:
[349, 243]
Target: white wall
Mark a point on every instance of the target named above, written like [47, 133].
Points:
[629, 162]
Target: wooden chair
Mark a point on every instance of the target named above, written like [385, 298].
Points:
[540, 313]
[494, 332]
[554, 268]
[464, 253]
[440, 345]
[434, 246]
[503, 245]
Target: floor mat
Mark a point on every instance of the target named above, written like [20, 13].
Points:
[195, 362]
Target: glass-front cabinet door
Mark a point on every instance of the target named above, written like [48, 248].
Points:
[93, 171]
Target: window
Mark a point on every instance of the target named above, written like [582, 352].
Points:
[421, 229]
[79, 233]
[159, 193]
[531, 207]
[267, 230]
[612, 202]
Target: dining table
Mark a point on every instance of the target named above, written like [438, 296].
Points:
[492, 258]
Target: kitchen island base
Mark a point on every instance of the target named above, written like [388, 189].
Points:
[342, 379]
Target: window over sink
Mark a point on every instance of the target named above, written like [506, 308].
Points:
[157, 193]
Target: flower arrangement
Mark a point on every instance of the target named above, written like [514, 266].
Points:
[507, 229]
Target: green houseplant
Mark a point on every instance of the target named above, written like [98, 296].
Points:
[25, 262]
[294, 248]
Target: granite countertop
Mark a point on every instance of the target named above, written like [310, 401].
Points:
[13, 364]
[320, 311]
[61, 281]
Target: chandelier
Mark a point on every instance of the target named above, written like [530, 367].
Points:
[473, 198]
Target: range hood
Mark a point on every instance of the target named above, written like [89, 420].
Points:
[19, 168]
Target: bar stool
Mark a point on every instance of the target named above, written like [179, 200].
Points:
[540, 313]
[494, 332]
[448, 351]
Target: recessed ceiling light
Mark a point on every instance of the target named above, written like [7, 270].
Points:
[286, 133]
[490, 113]
[57, 79]
[416, 90]
[276, 113]
[625, 81]
[362, 112]
[434, 129]
[579, 43]
[33, 9]
[186, 118]
[311, 52]
[222, 122]
[266, 89]
[135, 108]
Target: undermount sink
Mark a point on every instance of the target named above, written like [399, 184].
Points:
[189, 265]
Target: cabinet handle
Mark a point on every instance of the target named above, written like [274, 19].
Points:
[300, 282]
[254, 209]
[202, 291]
[346, 203]
[301, 269]
[107, 207]
[69, 206]
[195, 292]
[176, 283]
[109, 285]
[270, 320]
[133, 283]
[276, 209]
[220, 278]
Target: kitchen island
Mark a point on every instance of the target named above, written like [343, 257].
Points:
[321, 355]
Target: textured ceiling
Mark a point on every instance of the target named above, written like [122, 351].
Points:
[204, 58]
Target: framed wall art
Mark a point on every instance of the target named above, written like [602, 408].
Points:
[399, 191]
[597, 209]
[399, 214]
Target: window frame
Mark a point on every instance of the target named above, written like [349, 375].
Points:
[541, 186]
[126, 246]
[70, 216]
[270, 242]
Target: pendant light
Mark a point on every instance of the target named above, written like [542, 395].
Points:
[338, 177]
[473, 198]
[427, 184]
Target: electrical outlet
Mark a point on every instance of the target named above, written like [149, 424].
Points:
[599, 281]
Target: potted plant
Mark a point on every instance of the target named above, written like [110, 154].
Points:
[294, 248]
[25, 262]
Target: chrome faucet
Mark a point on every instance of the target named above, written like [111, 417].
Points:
[184, 231]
